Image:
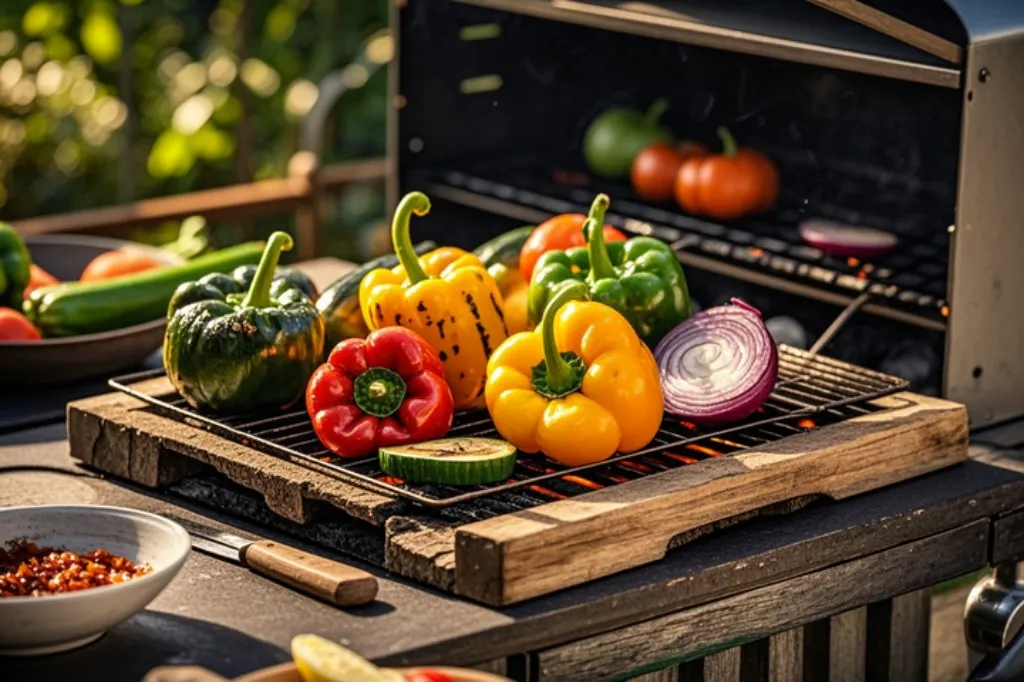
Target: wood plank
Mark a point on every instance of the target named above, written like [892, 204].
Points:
[537, 551]
[893, 27]
[897, 637]
[847, 646]
[786, 656]
[722, 666]
[770, 609]
[1008, 538]
[120, 434]
[235, 202]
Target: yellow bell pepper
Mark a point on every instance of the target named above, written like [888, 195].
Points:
[446, 296]
[579, 388]
[514, 291]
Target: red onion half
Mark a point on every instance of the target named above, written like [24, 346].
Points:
[718, 366]
[846, 240]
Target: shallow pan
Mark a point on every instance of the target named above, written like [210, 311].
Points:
[65, 360]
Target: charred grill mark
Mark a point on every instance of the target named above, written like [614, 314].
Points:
[421, 306]
[455, 349]
[398, 319]
[444, 356]
[378, 312]
[462, 375]
[440, 328]
[472, 306]
[485, 339]
[497, 308]
[430, 322]
[479, 276]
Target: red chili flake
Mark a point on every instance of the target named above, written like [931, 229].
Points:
[28, 570]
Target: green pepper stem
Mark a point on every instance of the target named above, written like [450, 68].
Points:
[561, 376]
[655, 111]
[258, 295]
[728, 141]
[593, 229]
[413, 203]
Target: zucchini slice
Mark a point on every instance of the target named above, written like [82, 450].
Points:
[450, 461]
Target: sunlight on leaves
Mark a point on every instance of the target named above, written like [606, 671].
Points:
[101, 36]
[44, 18]
[212, 144]
[170, 156]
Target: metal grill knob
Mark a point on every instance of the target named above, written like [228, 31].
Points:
[994, 611]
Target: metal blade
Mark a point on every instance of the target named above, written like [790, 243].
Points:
[217, 549]
[199, 531]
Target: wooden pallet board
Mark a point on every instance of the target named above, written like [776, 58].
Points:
[514, 557]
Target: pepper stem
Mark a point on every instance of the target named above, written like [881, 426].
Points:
[258, 295]
[655, 111]
[728, 141]
[378, 391]
[593, 229]
[413, 203]
[560, 373]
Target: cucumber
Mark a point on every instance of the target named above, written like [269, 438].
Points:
[339, 303]
[75, 308]
[504, 248]
[450, 461]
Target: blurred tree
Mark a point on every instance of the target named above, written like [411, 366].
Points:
[114, 100]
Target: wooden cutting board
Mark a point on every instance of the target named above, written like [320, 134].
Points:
[513, 557]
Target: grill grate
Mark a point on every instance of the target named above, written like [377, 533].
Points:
[912, 278]
[811, 391]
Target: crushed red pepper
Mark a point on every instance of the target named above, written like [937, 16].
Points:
[28, 570]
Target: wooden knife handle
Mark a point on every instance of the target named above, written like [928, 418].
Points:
[329, 580]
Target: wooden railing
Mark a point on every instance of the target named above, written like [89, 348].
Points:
[301, 192]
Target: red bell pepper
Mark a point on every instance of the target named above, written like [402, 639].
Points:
[559, 233]
[387, 389]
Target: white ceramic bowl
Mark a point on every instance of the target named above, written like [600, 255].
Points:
[42, 625]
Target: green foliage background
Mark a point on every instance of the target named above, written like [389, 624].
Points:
[72, 70]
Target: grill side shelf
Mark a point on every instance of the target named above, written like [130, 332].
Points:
[519, 556]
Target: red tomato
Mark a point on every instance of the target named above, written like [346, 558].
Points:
[558, 234]
[15, 327]
[655, 168]
[118, 264]
[39, 278]
[428, 676]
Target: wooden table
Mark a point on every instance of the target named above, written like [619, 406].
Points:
[784, 598]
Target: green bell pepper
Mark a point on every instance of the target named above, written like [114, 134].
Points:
[218, 285]
[15, 267]
[231, 351]
[641, 278]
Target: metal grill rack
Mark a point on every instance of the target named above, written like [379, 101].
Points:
[811, 391]
[912, 278]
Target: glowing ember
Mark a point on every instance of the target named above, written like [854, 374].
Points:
[635, 467]
[704, 450]
[585, 482]
[546, 492]
[390, 480]
[806, 424]
[680, 458]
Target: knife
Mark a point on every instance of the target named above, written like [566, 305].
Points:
[325, 579]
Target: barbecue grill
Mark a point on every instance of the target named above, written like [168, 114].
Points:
[878, 114]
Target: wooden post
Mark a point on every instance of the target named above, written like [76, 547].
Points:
[305, 166]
